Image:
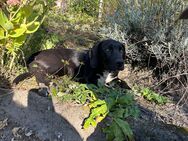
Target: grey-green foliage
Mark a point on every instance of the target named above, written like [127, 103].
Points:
[146, 16]
[147, 20]
[153, 25]
[89, 7]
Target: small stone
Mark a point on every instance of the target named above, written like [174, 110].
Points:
[29, 133]
[15, 131]
[3, 123]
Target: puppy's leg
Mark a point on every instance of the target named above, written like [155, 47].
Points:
[43, 82]
[42, 78]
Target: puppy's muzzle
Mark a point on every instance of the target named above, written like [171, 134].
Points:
[120, 65]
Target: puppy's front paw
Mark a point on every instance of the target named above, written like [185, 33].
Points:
[44, 91]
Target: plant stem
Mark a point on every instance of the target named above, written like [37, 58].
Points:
[2, 56]
[12, 61]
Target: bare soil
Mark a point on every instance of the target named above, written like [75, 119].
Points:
[26, 116]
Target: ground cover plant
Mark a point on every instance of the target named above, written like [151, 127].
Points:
[150, 95]
[113, 104]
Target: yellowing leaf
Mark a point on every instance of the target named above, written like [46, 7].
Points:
[97, 114]
[96, 103]
[2, 35]
[100, 118]
[17, 18]
[18, 31]
[8, 25]
[33, 27]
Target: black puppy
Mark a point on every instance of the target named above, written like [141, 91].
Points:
[105, 58]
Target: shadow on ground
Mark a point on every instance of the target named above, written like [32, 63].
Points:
[26, 116]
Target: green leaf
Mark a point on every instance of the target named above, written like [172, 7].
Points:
[2, 33]
[93, 123]
[4, 22]
[26, 11]
[119, 136]
[17, 18]
[96, 103]
[125, 99]
[54, 91]
[18, 31]
[109, 133]
[19, 40]
[110, 102]
[125, 128]
[33, 27]
[2, 43]
[87, 122]
[134, 112]
[118, 113]
[96, 113]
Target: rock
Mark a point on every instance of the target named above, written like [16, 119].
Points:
[3, 123]
[15, 132]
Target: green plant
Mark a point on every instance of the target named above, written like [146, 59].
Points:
[152, 96]
[118, 105]
[69, 90]
[85, 6]
[115, 103]
[17, 21]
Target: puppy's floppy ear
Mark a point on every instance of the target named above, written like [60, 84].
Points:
[94, 55]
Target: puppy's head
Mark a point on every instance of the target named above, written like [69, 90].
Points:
[108, 53]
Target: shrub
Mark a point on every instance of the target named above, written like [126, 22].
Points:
[18, 19]
[155, 37]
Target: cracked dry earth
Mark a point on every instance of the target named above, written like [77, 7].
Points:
[26, 116]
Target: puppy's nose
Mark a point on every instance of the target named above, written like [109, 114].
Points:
[120, 65]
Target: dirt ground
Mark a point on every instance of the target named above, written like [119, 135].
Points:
[26, 116]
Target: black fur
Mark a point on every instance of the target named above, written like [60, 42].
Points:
[83, 66]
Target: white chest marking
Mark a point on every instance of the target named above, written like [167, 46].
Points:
[106, 77]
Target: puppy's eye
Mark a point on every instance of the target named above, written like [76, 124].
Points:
[108, 50]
